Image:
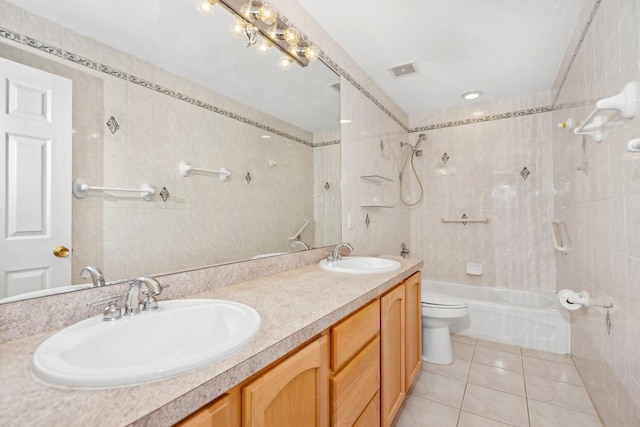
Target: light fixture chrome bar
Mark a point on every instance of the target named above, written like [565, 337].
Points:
[270, 32]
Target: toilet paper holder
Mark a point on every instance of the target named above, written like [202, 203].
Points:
[572, 300]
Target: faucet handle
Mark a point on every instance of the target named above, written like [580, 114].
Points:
[150, 302]
[112, 311]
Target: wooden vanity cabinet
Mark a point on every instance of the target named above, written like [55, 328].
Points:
[293, 393]
[355, 360]
[392, 337]
[355, 374]
[413, 328]
[222, 412]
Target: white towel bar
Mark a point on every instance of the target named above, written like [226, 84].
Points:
[81, 189]
[185, 169]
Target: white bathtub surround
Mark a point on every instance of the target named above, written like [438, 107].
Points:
[533, 320]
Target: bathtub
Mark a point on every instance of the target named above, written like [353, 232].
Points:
[527, 319]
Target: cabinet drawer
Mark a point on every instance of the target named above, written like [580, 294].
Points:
[370, 417]
[355, 385]
[350, 335]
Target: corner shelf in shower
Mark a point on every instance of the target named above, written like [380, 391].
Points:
[376, 179]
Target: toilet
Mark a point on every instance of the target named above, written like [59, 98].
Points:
[439, 312]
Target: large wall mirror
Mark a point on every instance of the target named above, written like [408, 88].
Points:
[158, 83]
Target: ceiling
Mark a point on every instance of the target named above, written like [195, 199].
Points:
[503, 48]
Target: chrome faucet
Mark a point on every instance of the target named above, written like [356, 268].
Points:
[132, 300]
[335, 254]
[305, 247]
[96, 275]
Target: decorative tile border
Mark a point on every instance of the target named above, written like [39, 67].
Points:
[94, 65]
[577, 49]
[489, 118]
[326, 143]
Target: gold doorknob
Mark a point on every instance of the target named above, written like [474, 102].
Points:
[61, 252]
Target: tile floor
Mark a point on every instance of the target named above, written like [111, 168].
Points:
[497, 385]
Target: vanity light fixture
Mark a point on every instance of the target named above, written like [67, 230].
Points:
[257, 17]
[472, 95]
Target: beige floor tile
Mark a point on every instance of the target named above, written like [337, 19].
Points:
[499, 346]
[498, 359]
[561, 358]
[438, 388]
[559, 394]
[467, 419]
[462, 351]
[459, 369]
[545, 415]
[419, 412]
[497, 379]
[463, 339]
[562, 372]
[496, 405]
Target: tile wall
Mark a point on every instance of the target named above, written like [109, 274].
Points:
[198, 224]
[371, 146]
[597, 193]
[478, 170]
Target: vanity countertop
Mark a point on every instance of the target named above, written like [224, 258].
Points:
[294, 305]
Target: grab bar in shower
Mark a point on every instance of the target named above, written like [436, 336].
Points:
[466, 220]
[626, 102]
[556, 237]
[80, 189]
[299, 232]
[185, 169]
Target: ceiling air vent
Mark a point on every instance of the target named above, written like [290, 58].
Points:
[403, 70]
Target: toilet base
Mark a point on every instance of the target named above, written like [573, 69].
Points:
[436, 346]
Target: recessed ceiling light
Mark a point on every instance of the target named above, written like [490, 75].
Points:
[472, 95]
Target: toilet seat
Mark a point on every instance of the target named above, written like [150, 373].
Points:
[436, 300]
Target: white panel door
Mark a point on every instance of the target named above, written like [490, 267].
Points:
[35, 179]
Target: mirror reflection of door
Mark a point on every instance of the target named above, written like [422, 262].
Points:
[35, 179]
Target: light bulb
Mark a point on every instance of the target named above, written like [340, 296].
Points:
[206, 6]
[285, 63]
[292, 36]
[312, 53]
[264, 47]
[246, 10]
[237, 28]
[267, 15]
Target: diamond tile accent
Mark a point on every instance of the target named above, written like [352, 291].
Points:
[367, 221]
[113, 125]
[445, 158]
[524, 173]
[464, 216]
[327, 186]
[248, 178]
[164, 193]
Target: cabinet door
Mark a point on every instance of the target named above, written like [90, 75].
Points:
[293, 393]
[223, 412]
[413, 311]
[392, 335]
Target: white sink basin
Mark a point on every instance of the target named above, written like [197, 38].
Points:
[361, 265]
[180, 336]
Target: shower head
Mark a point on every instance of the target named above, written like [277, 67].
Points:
[421, 137]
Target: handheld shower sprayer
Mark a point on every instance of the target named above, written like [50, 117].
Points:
[415, 152]
[415, 148]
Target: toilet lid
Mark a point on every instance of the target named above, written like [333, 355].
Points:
[442, 300]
